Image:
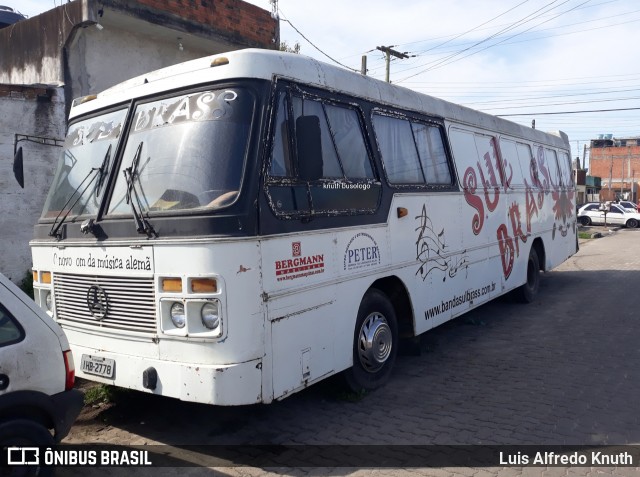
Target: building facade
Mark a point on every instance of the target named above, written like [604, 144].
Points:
[617, 163]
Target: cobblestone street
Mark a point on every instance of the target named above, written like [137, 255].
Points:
[562, 370]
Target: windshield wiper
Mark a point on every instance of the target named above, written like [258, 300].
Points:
[103, 171]
[56, 225]
[131, 176]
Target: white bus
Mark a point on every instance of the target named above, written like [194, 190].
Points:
[235, 228]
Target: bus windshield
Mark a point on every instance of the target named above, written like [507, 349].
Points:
[89, 149]
[184, 153]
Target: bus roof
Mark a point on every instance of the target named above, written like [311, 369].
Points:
[267, 64]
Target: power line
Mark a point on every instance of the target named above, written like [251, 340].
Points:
[568, 112]
[312, 44]
[513, 25]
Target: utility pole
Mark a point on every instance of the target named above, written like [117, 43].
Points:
[390, 52]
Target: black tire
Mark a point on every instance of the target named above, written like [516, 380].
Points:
[585, 221]
[26, 433]
[632, 223]
[528, 292]
[375, 343]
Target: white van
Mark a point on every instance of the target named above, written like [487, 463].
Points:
[38, 404]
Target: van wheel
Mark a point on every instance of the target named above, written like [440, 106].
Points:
[375, 343]
[528, 291]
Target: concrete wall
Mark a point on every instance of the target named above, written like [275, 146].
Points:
[99, 59]
[32, 111]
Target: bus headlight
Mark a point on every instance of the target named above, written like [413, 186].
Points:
[177, 315]
[211, 314]
[48, 301]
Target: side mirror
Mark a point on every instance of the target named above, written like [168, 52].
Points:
[18, 169]
[309, 144]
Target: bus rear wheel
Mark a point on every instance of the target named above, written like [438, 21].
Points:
[529, 291]
[375, 343]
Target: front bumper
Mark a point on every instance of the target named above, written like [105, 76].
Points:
[225, 384]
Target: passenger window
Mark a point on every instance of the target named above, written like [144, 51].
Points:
[552, 161]
[280, 157]
[566, 172]
[347, 135]
[330, 165]
[398, 150]
[512, 161]
[10, 331]
[319, 159]
[432, 153]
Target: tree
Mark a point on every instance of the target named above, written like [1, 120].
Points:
[284, 46]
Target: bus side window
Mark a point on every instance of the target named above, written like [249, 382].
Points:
[554, 168]
[330, 163]
[349, 141]
[565, 169]
[328, 151]
[280, 156]
[398, 150]
[432, 153]
[412, 152]
[513, 161]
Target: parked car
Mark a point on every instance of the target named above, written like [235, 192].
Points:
[594, 213]
[627, 206]
[38, 404]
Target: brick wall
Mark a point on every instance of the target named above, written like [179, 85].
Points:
[237, 18]
[23, 92]
[602, 158]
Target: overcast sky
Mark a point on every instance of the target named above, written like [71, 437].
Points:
[499, 56]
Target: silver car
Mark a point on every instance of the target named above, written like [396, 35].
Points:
[595, 213]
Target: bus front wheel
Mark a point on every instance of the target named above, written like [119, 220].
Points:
[529, 290]
[375, 343]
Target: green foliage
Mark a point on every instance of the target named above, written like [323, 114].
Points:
[584, 235]
[284, 46]
[101, 394]
[26, 285]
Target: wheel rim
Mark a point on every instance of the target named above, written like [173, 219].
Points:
[374, 342]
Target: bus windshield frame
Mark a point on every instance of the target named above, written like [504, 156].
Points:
[176, 136]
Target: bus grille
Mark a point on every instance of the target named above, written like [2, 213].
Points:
[131, 302]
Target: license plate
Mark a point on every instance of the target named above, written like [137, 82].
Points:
[98, 366]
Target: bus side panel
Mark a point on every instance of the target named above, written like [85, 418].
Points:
[315, 283]
[298, 271]
[441, 265]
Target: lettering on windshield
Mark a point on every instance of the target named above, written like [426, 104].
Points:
[205, 106]
[93, 132]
